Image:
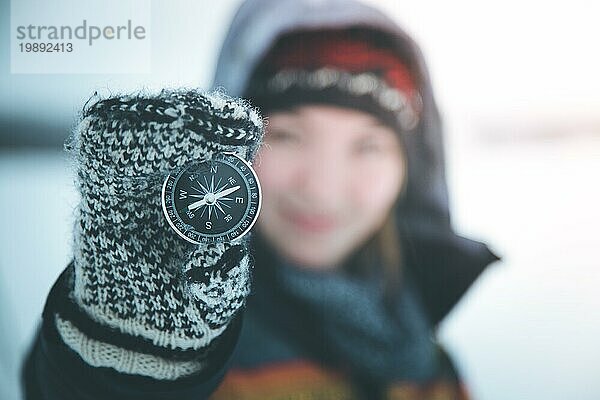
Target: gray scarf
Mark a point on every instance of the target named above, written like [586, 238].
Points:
[342, 320]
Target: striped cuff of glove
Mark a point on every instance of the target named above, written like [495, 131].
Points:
[100, 354]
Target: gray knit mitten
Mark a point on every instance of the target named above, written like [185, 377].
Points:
[145, 301]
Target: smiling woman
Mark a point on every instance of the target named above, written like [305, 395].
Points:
[355, 260]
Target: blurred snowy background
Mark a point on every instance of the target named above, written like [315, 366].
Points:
[518, 86]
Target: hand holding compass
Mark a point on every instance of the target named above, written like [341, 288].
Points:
[152, 171]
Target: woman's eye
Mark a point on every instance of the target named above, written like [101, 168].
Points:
[283, 136]
[370, 146]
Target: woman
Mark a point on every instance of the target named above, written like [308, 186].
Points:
[355, 259]
[354, 190]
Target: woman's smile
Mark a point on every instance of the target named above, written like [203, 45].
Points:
[311, 223]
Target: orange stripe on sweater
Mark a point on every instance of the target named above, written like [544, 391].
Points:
[303, 380]
[290, 380]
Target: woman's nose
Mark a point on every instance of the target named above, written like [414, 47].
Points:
[322, 179]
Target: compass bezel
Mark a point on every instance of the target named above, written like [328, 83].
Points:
[237, 229]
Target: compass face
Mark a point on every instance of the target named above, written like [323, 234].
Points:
[212, 201]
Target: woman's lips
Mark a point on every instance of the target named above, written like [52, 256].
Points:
[311, 223]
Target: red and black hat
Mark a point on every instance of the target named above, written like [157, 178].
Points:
[349, 68]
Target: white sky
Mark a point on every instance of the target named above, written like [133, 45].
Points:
[487, 58]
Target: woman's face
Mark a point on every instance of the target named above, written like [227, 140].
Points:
[329, 176]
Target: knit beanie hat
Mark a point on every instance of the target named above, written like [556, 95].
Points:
[350, 68]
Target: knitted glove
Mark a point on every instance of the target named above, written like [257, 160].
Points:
[145, 301]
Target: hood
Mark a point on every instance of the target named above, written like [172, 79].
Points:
[444, 263]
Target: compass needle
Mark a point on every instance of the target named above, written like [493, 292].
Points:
[226, 192]
[196, 204]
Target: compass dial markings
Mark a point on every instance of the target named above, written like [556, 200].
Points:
[191, 216]
[204, 190]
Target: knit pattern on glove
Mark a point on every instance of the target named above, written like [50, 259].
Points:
[132, 273]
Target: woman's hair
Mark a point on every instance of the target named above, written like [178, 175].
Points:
[383, 251]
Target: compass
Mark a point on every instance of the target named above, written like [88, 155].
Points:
[217, 200]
